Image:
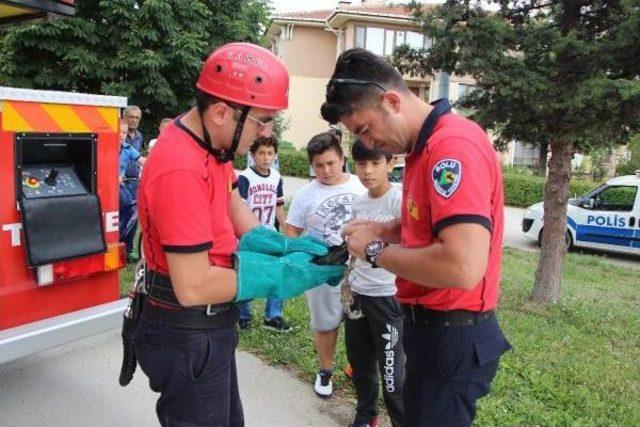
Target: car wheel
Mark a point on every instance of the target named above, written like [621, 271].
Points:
[568, 239]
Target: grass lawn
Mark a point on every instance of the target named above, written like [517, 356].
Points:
[573, 364]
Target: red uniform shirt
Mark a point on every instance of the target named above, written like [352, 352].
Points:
[452, 176]
[183, 200]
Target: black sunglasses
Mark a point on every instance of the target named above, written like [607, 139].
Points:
[331, 86]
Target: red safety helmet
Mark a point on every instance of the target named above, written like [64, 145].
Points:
[246, 74]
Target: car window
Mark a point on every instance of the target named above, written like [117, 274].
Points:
[618, 198]
[396, 174]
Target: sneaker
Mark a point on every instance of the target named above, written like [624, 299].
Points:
[277, 324]
[244, 324]
[323, 386]
[371, 423]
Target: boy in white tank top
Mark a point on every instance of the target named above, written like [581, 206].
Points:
[261, 187]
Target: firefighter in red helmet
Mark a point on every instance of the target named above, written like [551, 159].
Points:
[191, 217]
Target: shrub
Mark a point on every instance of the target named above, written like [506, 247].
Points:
[240, 162]
[294, 163]
[285, 146]
[524, 190]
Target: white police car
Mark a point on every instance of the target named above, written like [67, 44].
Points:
[605, 218]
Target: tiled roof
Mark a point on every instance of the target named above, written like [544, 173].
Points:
[396, 11]
[312, 15]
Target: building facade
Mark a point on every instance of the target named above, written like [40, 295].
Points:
[309, 43]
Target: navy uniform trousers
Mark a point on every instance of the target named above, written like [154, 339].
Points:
[194, 370]
[448, 369]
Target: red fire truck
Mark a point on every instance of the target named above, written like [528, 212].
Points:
[59, 250]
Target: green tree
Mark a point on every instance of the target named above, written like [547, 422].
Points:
[565, 72]
[281, 124]
[631, 164]
[147, 50]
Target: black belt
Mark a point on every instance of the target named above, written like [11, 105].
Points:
[419, 315]
[188, 319]
[160, 295]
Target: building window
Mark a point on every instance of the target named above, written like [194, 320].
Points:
[414, 40]
[383, 41]
[360, 35]
[525, 155]
[464, 89]
[375, 40]
[389, 36]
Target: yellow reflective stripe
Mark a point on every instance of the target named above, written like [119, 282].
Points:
[110, 115]
[12, 120]
[66, 118]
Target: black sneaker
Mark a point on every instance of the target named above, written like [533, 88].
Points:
[277, 324]
[359, 423]
[244, 324]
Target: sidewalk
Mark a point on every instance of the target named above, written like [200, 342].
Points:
[77, 386]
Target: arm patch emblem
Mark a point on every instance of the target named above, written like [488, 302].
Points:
[446, 175]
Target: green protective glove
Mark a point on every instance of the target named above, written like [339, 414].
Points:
[267, 276]
[270, 242]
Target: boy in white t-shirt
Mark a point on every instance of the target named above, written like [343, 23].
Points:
[374, 340]
[261, 187]
[321, 208]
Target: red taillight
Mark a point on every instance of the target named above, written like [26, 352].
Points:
[112, 259]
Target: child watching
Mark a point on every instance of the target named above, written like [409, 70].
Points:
[261, 187]
[373, 326]
[321, 208]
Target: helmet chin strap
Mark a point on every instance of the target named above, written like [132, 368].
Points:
[223, 155]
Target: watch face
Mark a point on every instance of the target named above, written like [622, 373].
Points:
[374, 248]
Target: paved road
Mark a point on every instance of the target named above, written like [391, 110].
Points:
[77, 386]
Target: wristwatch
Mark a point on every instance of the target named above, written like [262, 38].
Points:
[373, 250]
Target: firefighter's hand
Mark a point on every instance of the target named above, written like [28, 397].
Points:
[378, 228]
[358, 238]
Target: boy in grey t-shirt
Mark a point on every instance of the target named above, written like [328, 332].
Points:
[374, 340]
[321, 208]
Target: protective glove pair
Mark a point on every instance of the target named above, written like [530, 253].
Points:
[271, 265]
[270, 242]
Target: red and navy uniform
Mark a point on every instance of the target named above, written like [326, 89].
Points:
[452, 176]
[183, 202]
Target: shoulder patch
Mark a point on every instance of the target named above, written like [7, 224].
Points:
[446, 175]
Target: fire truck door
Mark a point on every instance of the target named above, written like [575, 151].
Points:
[60, 211]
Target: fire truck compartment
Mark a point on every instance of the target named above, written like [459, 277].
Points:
[56, 176]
